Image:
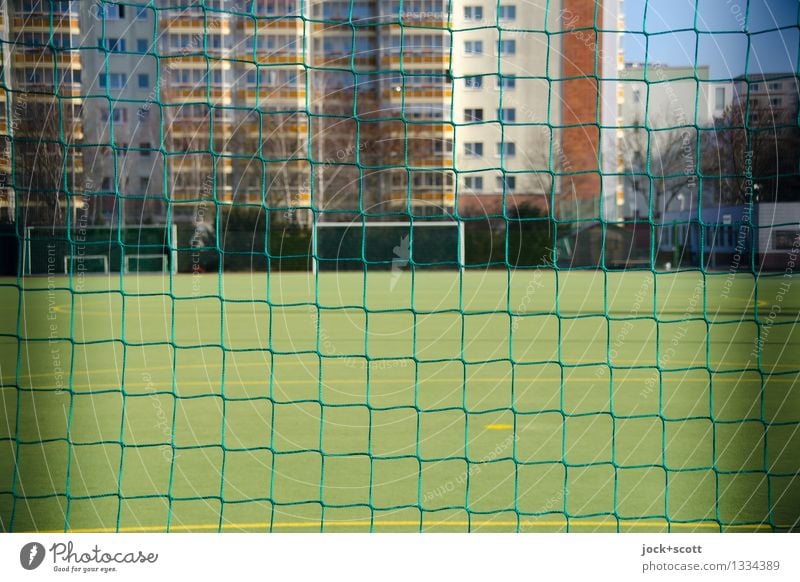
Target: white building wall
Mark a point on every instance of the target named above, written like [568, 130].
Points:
[613, 20]
[774, 218]
[718, 96]
[534, 98]
[139, 171]
[667, 103]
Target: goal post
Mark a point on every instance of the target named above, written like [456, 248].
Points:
[388, 245]
[45, 249]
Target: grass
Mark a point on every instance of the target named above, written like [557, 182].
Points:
[489, 402]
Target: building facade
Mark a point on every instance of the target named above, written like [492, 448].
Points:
[428, 107]
[122, 157]
[660, 109]
[43, 111]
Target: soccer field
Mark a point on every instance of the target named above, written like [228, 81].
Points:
[488, 401]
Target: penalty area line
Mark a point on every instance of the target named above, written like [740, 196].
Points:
[289, 525]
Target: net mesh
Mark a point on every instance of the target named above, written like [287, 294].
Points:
[611, 347]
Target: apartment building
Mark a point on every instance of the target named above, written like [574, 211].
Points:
[122, 156]
[382, 133]
[660, 108]
[7, 197]
[772, 96]
[374, 106]
[507, 106]
[41, 65]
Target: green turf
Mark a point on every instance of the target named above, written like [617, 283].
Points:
[462, 419]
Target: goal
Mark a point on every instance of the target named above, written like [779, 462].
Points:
[100, 249]
[352, 246]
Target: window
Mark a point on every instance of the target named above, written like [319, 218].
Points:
[776, 102]
[111, 11]
[144, 182]
[143, 114]
[507, 149]
[637, 95]
[507, 12]
[144, 81]
[473, 12]
[754, 87]
[508, 183]
[507, 47]
[473, 115]
[442, 146]
[474, 183]
[775, 86]
[120, 115]
[719, 98]
[106, 183]
[507, 82]
[145, 149]
[426, 111]
[507, 114]
[473, 47]
[473, 82]
[784, 240]
[114, 45]
[141, 13]
[141, 45]
[473, 149]
[113, 80]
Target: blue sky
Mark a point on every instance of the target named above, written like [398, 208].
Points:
[715, 33]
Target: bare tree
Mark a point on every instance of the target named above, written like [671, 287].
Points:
[659, 166]
[757, 157]
[43, 161]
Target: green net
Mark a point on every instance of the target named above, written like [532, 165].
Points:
[418, 265]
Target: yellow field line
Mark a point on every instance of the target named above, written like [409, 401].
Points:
[500, 426]
[233, 382]
[407, 523]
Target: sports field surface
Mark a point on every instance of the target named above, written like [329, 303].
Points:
[488, 401]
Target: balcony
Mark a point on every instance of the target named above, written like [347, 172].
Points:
[254, 130]
[222, 192]
[266, 94]
[193, 93]
[411, 57]
[45, 58]
[426, 20]
[346, 60]
[42, 23]
[431, 129]
[196, 61]
[263, 25]
[218, 23]
[423, 93]
[421, 197]
[271, 57]
[193, 163]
